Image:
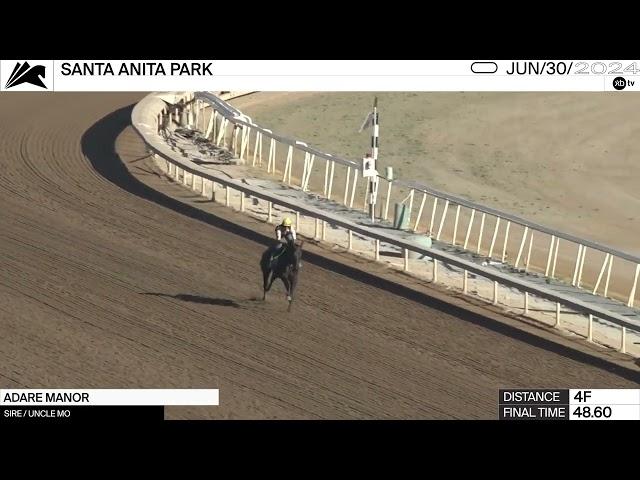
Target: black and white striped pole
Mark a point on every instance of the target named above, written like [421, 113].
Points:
[373, 187]
[376, 130]
[369, 161]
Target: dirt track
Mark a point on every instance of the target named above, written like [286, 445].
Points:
[105, 282]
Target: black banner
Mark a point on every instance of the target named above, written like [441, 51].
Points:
[534, 397]
[529, 404]
[75, 415]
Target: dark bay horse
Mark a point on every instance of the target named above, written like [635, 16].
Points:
[283, 264]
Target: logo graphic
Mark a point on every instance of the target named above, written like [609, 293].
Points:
[619, 83]
[25, 73]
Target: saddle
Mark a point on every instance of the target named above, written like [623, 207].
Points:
[277, 253]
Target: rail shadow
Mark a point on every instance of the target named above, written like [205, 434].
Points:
[98, 144]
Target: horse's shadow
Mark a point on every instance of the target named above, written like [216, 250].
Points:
[224, 302]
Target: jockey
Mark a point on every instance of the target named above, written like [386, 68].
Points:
[283, 231]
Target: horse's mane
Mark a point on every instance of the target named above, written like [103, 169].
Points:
[293, 254]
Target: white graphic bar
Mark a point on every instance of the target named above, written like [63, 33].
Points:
[604, 412]
[319, 75]
[605, 397]
[101, 397]
[363, 68]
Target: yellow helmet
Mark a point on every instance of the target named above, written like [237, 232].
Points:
[286, 222]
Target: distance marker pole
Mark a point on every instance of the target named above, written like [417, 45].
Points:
[374, 154]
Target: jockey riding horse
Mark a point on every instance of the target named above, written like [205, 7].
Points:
[282, 261]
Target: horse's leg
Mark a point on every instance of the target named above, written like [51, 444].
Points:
[272, 279]
[287, 285]
[267, 281]
[292, 286]
[294, 282]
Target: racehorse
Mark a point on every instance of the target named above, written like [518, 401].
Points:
[284, 265]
